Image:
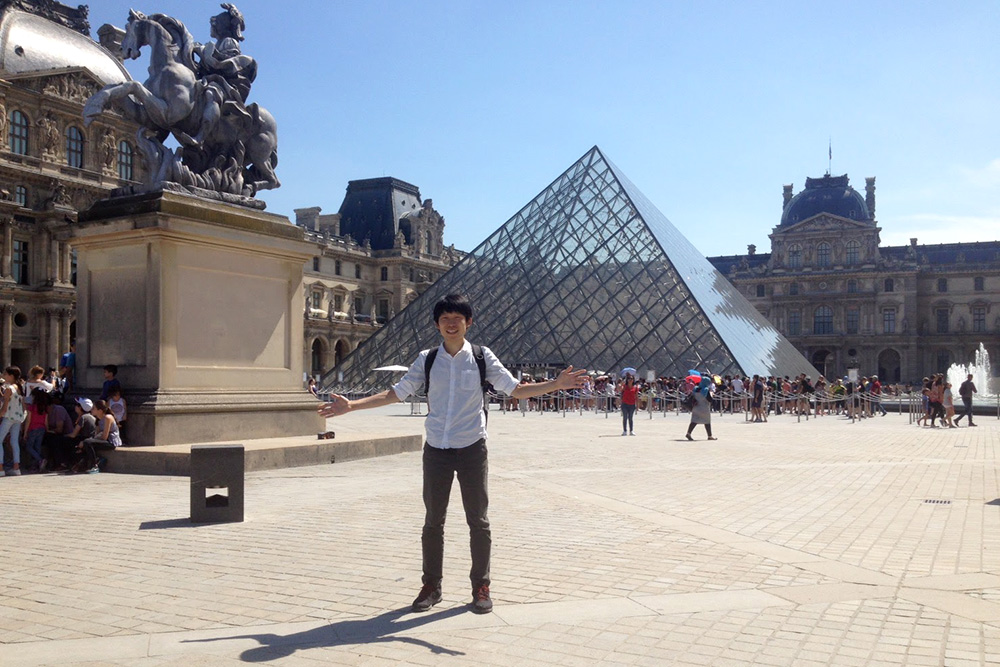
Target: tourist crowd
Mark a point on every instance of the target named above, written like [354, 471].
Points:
[759, 396]
[44, 428]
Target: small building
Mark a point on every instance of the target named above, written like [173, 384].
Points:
[381, 250]
[845, 301]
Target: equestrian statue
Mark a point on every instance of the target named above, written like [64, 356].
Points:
[196, 93]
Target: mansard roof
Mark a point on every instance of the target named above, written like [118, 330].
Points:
[373, 207]
[947, 254]
[829, 194]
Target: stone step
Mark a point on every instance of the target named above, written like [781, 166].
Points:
[263, 454]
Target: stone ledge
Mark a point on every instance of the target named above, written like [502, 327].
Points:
[262, 455]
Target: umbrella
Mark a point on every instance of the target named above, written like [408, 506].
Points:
[694, 372]
[394, 367]
[627, 370]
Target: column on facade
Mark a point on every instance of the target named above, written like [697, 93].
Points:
[8, 249]
[52, 351]
[7, 324]
[65, 317]
[55, 266]
[67, 262]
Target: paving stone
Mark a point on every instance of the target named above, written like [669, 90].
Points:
[786, 543]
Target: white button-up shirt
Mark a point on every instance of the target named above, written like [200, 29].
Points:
[455, 417]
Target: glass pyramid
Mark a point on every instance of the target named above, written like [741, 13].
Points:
[589, 273]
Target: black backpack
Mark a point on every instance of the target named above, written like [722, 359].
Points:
[689, 400]
[477, 352]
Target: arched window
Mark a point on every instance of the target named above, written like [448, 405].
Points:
[853, 255]
[795, 257]
[317, 357]
[17, 135]
[383, 273]
[125, 160]
[74, 147]
[428, 239]
[823, 320]
[21, 195]
[823, 254]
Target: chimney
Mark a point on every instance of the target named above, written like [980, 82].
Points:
[788, 195]
[751, 250]
[308, 218]
[111, 38]
[870, 195]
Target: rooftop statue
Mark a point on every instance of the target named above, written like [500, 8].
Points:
[196, 93]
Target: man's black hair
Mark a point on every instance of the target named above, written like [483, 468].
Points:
[111, 368]
[453, 303]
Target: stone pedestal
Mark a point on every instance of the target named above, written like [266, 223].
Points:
[199, 304]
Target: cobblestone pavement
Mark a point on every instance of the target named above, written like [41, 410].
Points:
[820, 542]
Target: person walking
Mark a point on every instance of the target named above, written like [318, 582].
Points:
[876, 391]
[701, 413]
[454, 375]
[965, 391]
[630, 391]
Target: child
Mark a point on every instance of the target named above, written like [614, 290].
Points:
[12, 410]
[117, 406]
[38, 411]
[35, 381]
[84, 429]
[110, 381]
[105, 438]
[454, 375]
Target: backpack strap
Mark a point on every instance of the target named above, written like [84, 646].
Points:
[428, 362]
[477, 352]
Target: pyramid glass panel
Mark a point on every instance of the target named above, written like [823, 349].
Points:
[590, 274]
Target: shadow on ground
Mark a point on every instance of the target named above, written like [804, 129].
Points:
[381, 628]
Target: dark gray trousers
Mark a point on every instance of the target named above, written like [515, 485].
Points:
[967, 411]
[440, 469]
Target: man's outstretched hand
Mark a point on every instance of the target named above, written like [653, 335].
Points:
[570, 379]
[337, 406]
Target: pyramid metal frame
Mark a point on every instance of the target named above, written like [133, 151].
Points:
[589, 273]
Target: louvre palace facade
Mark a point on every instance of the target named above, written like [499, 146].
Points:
[51, 166]
[845, 301]
[382, 249]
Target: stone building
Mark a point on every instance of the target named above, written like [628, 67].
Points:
[845, 301]
[51, 166]
[382, 249]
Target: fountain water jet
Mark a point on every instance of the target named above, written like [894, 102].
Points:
[978, 369]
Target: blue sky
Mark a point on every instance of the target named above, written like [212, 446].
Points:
[708, 107]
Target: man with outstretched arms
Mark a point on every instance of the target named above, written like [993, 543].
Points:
[455, 375]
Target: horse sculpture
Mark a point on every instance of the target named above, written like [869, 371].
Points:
[224, 146]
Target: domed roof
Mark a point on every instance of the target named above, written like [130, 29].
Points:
[829, 194]
[30, 43]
